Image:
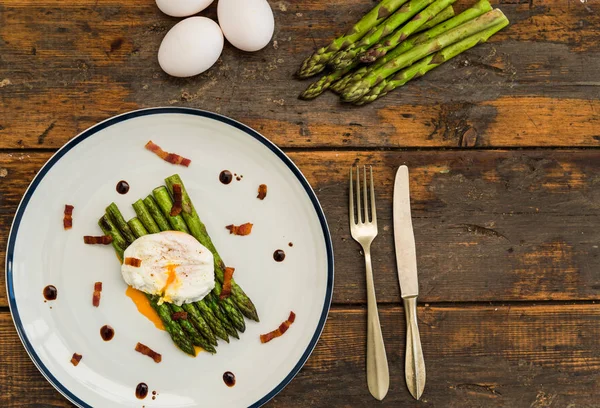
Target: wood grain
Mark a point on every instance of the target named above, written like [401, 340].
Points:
[489, 225]
[520, 356]
[67, 65]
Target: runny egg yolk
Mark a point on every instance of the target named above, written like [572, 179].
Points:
[171, 277]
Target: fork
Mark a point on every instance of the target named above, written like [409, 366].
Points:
[364, 232]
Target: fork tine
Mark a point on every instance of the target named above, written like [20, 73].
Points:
[373, 207]
[351, 195]
[365, 194]
[358, 206]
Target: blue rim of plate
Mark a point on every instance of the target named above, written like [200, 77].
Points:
[156, 111]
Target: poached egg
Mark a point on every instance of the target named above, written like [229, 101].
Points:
[174, 265]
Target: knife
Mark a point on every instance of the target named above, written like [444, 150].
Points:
[406, 261]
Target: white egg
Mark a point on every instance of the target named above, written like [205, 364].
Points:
[173, 265]
[247, 24]
[182, 8]
[191, 47]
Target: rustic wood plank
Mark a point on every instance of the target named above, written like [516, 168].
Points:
[484, 356]
[65, 66]
[489, 225]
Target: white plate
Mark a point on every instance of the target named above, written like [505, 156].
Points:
[84, 173]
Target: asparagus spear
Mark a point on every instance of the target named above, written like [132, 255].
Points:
[157, 215]
[317, 61]
[212, 303]
[145, 217]
[212, 320]
[428, 63]
[119, 242]
[356, 90]
[345, 57]
[481, 7]
[172, 327]
[163, 199]
[192, 332]
[137, 227]
[200, 323]
[117, 218]
[198, 231]
[443, 15]
[391, 41]
[231, 311]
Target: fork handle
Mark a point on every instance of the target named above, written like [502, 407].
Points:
[414, 369]
[378, 376]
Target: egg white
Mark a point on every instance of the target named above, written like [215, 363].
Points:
[174, 265]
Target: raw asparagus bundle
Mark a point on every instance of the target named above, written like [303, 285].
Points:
[354, 91]
[318, 60]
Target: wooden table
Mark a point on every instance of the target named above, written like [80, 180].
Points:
[502, 143]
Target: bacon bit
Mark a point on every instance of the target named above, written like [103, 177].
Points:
[168, 157]
[102, 239]
[176, 209]
[179, 316]
[147, 351]
[96, 298]
[68, 218]
[76, 359]
[227, 276]
[98, 286]
[262, 192]
[133, 262]
[244, 229]
[265, 338]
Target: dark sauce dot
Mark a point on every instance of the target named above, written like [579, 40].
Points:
[141, 391]
[154, 397]
[291, 244]
[238, 178]
[229, 378]
[225, 177]
[279, 255]
[107, 333]
[153, 392]
[122, 187]
[50, 292]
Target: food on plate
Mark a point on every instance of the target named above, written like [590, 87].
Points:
[182, 8]
[242, 230]
[290, 244]
[50, 292]
[176, 208]
[76, 359]
[229, 378]
[191, 47]
[168, 157]
[141, 390]
[262, 192]
[397, 52]
[68, 217]
[225, 177]
[97, 293]
[147, 351]
[265, 338]
[122, 187]
[107, 332]
[114, 214]
[279, 255]
[247, 24]
[227, 276]
[96, 240]
[180, 272]
[170, 264]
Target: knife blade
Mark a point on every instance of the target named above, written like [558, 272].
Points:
[404, 238]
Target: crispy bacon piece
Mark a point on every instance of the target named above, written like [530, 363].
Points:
[96, 295]
[179, 316]
[147, 351]
[168, 157]
[262, 192]
[76, 359]
[68, 217]
[176, 209]
[102, 239]
[133, 262]
[244, 229]
[265, 338]
[226, 291]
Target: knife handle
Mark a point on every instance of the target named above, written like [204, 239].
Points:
[414, 363]
[378, 376]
